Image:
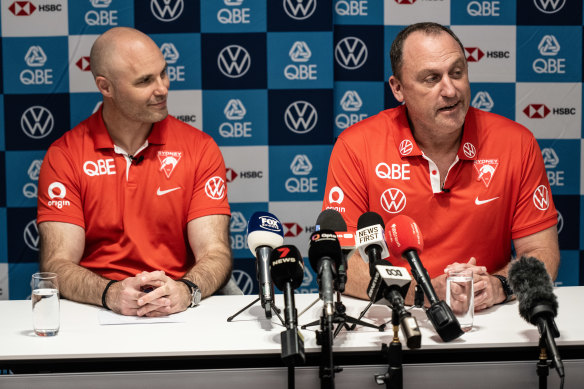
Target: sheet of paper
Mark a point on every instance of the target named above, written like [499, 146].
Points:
[106, 317]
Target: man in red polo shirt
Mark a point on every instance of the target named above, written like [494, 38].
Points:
[134, 195]
[473, 181]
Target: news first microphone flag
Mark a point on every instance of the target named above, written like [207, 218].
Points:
[274, 82]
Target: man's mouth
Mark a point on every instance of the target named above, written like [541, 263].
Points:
[449, 107]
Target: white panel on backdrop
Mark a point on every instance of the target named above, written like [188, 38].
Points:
[80, 77]
[186, 105]
[404, 12]
[490, 52]
[27, 18]
[247, 173]
[4, 281]
[298, 219]
[550, 110]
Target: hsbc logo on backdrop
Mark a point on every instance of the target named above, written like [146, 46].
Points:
[536, 111]
[231, 174]
[83, 64]
[299, 9]
[300, 117]
[167, 10]
[292, 230]
[549, 6]
[27, 8]
[473, 54]
[483, 101]
[37, 122]
[234, 61]
[171, 54]
[351, 53]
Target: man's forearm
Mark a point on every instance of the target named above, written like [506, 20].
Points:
[211, 272]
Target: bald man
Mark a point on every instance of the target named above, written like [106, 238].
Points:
[132, 208]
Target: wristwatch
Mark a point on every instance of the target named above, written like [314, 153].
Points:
[195, 292]
[506, 288]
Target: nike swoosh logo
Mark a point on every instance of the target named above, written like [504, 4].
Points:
[480, 202]
[163, 192]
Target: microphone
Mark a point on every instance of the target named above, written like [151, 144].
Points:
[370, 239]
[325, 256]
[287, 270]
[264, 233]
[135, 160]
[538, 304]
[329, 219]
[405, 240]
[389, 285]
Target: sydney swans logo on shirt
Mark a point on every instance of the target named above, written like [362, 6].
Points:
[486, 169]
[215, 188]
[168, 161]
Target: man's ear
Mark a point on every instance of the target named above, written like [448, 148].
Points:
[396, 88]
[104, 86]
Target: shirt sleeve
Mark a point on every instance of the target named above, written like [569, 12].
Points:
[210, 187]
[346, 186]
[535, 210]
[59, 196]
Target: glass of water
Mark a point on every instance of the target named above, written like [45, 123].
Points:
[460, 296]
[45, 304]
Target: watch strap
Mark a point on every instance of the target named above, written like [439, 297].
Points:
[506, 288]
[195, 291]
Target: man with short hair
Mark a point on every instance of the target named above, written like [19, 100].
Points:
[132, 208]
[473, 181]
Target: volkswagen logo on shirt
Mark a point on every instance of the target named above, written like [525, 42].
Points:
[469, 150]
[393, 200]
[299, 9]
[405, 147]
[351, 53]
[300, 117]
[215, 188]
[166, 10]
[37, 122]
[541, 198]
[549, 6]
[234, 61]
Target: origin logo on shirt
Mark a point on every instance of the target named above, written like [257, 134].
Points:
[57, 193]
[168, 161]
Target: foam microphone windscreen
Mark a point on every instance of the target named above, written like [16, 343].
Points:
[286, 266]
[532, 286]
[329, 219]
[370, 219]
[324, 244]
[403, 234]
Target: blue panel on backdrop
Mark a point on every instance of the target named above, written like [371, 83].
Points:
[551, 54]
[234, 61]
[36, 121]
[549, 13]
[569, 271]
[300, 15]
[20, 275]
[298, 174]
[300, 117]
[240, 214]
[23, 235]
[495, 97]
[95, 17]
[568, 221]
[164, 16]
[358, 12]
[489, 12]
[359, 53]
[562, 163]
[245, 274]
[2, 179]
[300, 60]
[233, 16]
[35, 65]
[3, 241]
[355, 101]
[182, 53]
[22, 176]
[2, 142]
[236, 117]
[83, 105]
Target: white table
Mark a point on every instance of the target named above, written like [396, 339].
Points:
[246, 352]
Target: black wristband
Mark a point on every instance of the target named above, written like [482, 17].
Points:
[103, 303]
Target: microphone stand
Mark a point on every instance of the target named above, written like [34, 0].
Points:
[274, 309]
[543, 366]
[324, 338]
[393, 379]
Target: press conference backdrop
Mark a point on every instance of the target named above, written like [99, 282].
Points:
[274, 82]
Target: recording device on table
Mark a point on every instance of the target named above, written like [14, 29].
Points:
[538, 305]
[264, 233]
[287, 271]
[405, 240]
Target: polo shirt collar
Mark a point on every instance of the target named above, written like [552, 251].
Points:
[407, 146]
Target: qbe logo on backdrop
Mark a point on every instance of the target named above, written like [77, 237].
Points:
[49, 18]
[167, 16]
[233, 16]
[236, 117]
[552, 54]
[97, 16]
[298, 175]
[300, 60]
[300, 117]
[355, 101]
[233, 61]
[550, 110]
[358, 12]
[562, 163]
[247, 173]
[37, 120]
[182, 55]
[495, 97]
[35, 65]
[358, 53]
[22, 175]
[483, 12]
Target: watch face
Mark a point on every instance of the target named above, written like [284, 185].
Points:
[196, 297]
